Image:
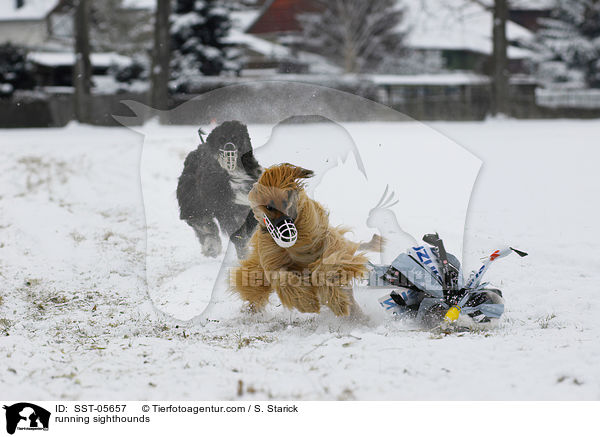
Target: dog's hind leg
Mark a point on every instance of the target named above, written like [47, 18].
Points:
[337, 299]
[355, 312]
[341, 301]
[251, 283]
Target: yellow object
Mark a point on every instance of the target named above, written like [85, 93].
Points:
[452, 314]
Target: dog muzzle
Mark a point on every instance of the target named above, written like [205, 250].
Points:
[283, 231]
[228, 157]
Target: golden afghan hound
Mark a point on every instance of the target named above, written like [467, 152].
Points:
[295, 252]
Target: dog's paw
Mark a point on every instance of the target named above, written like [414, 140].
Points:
[250, 308]
[293, 295]
[211, 247]
[339, 302]
[307, 304]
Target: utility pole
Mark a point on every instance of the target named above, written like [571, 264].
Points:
[82, 67]
[161, 57]
[500, 74]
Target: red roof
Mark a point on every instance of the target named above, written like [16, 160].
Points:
[280, 16]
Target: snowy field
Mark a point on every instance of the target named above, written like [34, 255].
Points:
[100, 283]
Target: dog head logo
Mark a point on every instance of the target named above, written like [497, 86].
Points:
[26, 416]
[314, 128]
[383, 218]
[275, 201]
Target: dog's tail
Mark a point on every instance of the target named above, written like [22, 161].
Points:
[376, 244]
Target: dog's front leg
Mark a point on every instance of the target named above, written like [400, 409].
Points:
[342, 303]
[241, 237]
[355, 312]
[294, 291]
[337, 299]
[251, 283]
[207, 232]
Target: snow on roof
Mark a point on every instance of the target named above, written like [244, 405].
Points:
[243, 19]
[522, 4]
[31, 10]
[257, 44]
[57, 59]
[455, 25]
[429, 24]
[139, 4]
[318, 64]
[325, 79]
[532, 4]
[459, 78]
[518, 53]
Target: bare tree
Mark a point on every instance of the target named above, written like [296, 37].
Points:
[358, 34]
[115, 27]
[161, 56]
[82, 69]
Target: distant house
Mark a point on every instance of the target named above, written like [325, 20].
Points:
[452, 34]
[279, 17]
[45, 29]
[131, 14]
[528, 12]
[48, 24]
[26, 22]
[265, 50]
[55, 69]
[460, 33]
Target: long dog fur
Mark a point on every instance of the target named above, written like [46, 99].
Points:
[208, 194]
[318, 270]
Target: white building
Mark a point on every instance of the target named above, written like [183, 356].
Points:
[26, 22]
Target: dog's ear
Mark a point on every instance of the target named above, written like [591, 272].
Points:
[285, 176]
[299, 172]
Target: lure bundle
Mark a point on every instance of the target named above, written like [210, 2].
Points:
[427, 282]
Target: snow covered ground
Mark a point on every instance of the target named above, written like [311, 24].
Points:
[78, 304]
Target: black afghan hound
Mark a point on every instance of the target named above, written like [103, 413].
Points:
[214, 186]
